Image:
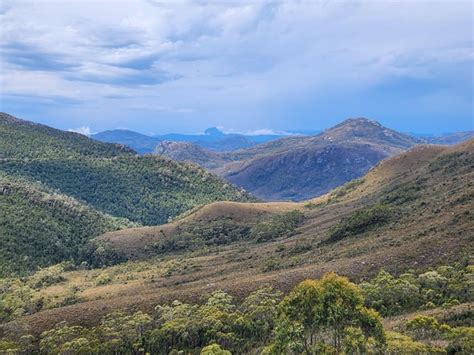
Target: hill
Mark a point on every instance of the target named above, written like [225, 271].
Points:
[20, 139]
[432, 180]
[40, 227]
[410, 212]
[111, 178]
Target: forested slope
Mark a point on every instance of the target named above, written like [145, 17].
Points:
[109, 177]
[40, 227]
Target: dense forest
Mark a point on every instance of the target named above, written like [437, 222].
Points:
[40, 227]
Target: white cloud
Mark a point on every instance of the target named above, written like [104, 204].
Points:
[209, 58]
[84, 130]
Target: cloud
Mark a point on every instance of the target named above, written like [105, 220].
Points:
[256, 132]
[197, 63]
[84, 130]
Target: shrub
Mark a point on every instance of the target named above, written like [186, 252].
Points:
[278, 226]
[401, 344]
[214, 349]
[103, 279]
[47, 276]
[360, 221]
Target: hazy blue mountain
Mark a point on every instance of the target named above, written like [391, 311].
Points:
[446, 138]
[212, 139]
[139, 142]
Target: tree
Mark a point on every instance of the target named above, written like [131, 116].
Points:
[423, 327]
[214, 349]
[64, 339]
[121, 332]
[331, 307]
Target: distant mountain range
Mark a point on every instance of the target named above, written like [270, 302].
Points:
[301, 167]
[447, 138]
[292, 167]
[212, 139]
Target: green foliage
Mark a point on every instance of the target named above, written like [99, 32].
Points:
[460, 339]
[64, 339]
[103, 279]
[401, 344]
[198, 235]
[24, 345]
[47, 276]
[331, 308]
[278, 226]
[26, 140]
[423, 327]
[148, 190]
[21, 296]
[17, 299]
[360, 221]
[445, 286]
[316, 317]
[39, 227]
[225, 231]
[120, 332]
[187, 327]
[214, 349]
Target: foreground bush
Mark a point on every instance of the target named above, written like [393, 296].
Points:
[325, 314]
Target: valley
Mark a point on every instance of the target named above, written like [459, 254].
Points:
[90, 229]
[410, 212]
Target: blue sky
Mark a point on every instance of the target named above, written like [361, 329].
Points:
[161, 66]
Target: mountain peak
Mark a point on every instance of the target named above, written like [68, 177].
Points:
[214, 131]
[362, 121]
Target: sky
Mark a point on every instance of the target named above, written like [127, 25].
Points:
[182, 66]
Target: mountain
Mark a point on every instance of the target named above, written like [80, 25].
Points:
[186, 151]
[71, 188]
[141, 143]
[212, 139]
[409, 213]
[301, 167]
[24, 140]
[449, 138]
